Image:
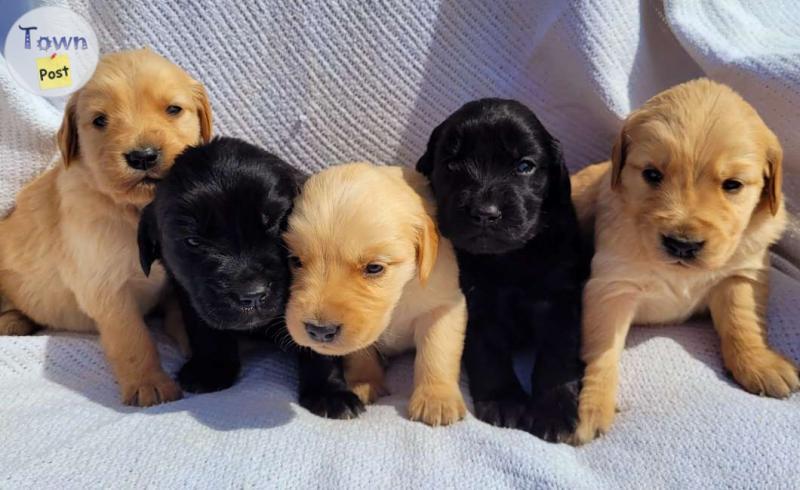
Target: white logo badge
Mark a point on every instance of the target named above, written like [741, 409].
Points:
[51, 51]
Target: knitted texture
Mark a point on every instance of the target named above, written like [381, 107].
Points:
[321, 82]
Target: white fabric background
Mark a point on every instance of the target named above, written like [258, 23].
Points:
[324, 82]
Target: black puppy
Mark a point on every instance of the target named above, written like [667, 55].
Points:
[216, 224]
[503, 199]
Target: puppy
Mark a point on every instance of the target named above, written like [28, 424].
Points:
[503, 198]
[68, 256]
[683, 218]
[373, 279]
[216, 225]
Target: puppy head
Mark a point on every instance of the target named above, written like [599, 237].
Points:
[358, 234]
[216, 223]
[692, 167]
[494, 169]
[127, 124]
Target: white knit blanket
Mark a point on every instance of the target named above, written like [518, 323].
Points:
[321, 82]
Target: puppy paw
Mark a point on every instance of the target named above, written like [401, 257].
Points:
[339, 404]
[555, 414]
[437, 406]
[595, 416]
[511, 412]
[200, 375]
[765, 372]
[13, 322]
[158, 388]
[368, 392]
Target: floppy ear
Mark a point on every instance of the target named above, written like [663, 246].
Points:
[67, 137]
[774, 180]
[203, 112]
[427, 248]
[425, 164]
[560, 176]
[618, 155]
[149, 247]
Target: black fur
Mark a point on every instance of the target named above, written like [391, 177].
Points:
[216, 224]
[521, 270]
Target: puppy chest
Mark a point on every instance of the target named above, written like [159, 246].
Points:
[667, 301]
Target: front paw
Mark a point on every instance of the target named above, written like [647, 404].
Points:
[435, 405]
[201, 375]
[765, 372]
[555, 414]
[154, 389]
[334, 404]
[13, 322]
[510, 412]
[595, 415]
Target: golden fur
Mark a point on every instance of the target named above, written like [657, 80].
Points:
[68, 253]
[698, 134]
[356, 214]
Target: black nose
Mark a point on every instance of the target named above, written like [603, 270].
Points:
[254, 297]
[484, 214]
[143, 158]
[322, 333]
[680, 247]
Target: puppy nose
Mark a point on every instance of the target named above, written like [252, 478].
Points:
[486, 213]
[681, 247]
[143, 158]
[253, 297]
[322, 333]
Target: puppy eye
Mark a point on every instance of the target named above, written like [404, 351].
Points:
[525, 166]
[732, 186]
[174, 110]
[452, 166]
[652, 176]
[100, 121]
[373, 269]
[192, 242]
[295, 262]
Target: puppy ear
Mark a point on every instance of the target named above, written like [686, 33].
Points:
[773, 181]
[149, 247]
[425, 164]
[427, 248]
[561, 177]
[67, 137]
[618, 155]
[203, 111]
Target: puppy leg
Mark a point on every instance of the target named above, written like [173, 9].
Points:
[558, 370]
[364, 374]
[14, 322]
[323, 389]
[607, 316]
[439, 337]
[174, 325]
[738, 308]
[131, 352]
[497, 395]
[214, 364]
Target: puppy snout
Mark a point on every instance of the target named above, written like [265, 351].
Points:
[143, 158]
[681, 247]
[253, 297]
[322, 333]
[486, 213]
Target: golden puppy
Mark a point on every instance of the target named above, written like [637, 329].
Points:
[684, 215]
[372, 277]
[68, 253]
